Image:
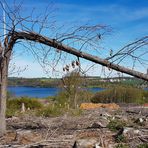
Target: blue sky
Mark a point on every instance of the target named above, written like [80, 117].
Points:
[127, 18]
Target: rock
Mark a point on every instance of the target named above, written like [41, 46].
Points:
[137, 132]
[140, 121]
[131, 132]
[97, 145]
[86, 143]
[99, 124]
[96, 125]
[127, 129]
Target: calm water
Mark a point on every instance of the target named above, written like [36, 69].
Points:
[38, 91]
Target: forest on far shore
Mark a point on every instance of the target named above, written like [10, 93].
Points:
[87, 82]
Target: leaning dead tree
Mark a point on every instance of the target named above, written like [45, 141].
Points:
[27, 31]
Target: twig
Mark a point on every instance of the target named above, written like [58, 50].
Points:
[139, 137]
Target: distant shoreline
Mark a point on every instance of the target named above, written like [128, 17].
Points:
[89, 82]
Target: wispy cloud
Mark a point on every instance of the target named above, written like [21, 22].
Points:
[108, 12]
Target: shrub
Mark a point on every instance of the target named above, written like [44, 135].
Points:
[31, 103]
[115, 125]
[14, 105]
[73, 92]
[121, 94]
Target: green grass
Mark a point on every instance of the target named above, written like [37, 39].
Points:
[14, 105]
[121, 94]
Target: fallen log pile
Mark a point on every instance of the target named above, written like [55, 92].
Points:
[99, 127]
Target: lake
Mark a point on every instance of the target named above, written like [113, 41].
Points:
[39, 92]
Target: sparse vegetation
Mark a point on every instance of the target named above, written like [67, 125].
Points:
[120, 138]
[144, 145]
[115, 125]
[50, 111]
[122, 146]
[55, 110]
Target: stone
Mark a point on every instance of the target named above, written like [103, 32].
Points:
[130, 132]
[140, 121]
[97, 145]
[99, 124]
[127, 129]
[86, 143]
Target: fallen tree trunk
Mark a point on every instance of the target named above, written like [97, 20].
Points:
[32, 36]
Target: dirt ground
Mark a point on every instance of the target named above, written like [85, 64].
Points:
[92, 129]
